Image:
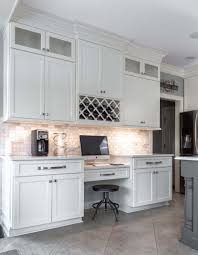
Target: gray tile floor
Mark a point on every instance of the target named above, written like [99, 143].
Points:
[152, 232]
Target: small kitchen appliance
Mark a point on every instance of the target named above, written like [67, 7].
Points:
[39, 142]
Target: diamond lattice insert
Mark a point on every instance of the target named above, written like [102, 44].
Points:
[96, 108]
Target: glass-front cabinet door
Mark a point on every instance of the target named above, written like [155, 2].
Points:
[60, 47]
[27, 38]
[151, 70]
[132, 66]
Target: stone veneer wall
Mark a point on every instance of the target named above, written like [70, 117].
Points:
[15, 138]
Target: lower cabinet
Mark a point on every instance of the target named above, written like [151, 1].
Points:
[68, 197]
[47, 199]
[152, 185]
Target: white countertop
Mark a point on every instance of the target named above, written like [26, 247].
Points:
[192, 158]
[146, 155]
[32, 158]
[105, 166]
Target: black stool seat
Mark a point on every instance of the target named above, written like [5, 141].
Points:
[105, 188]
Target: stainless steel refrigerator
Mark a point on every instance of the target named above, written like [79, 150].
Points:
[189, 133]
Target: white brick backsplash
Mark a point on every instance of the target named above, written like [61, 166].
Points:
[15, 138]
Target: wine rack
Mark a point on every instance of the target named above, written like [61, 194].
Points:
[101, 109]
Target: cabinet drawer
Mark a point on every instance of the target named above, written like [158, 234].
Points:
[106, 174]
[43, 168]
[152, 162]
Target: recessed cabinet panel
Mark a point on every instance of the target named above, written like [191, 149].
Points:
[68, 197]
[151, 70]
[59, 92]
[60, 47]
[132, 66]
[112, 66]
[164, 184]
[27, 85]
[145, 93]
[32, 201]
[27, 38]
[89, 68]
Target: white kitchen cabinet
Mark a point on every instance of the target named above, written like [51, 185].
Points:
[42, 194]
[164, 184]
[46, 85]
[60, 47]
[27, 38]
[143, 187]
[190, 93]
[68, 197]
[141, 68]
[89, 64]
[26, 85]
[38, 41]
[99, 70]
[32, 201]
[145, 93]
[111, 81]
[59, 90]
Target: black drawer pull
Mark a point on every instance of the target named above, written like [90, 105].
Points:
[51, 168]
[107, 174]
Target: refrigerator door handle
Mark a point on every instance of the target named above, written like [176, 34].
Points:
[195, 133]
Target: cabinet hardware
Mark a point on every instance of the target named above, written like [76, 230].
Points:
[47, 114]
[48, 50]
[110, 174]
[43, 49]
[158, 162]
[104, 91]
[50, 181]
[142, 122]
[101, 91]
[55, 180]
[43, 113]
[149, 163]
[51, 168]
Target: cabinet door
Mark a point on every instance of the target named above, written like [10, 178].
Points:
[27, 85]
[68, 197]
[141, 102]
[144, 182]
[27, 38]
[164, 184]
[151, 71]
[89, 68]
[32, 201]
[60, 47]
[132, 66]
[112, 72]
[60, 90]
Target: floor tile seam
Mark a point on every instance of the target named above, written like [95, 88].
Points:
[107, 242]
[155, 236]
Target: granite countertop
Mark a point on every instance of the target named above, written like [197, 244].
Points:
[192, 158]
[36, 158]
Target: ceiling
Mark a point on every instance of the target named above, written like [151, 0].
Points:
[6, 7]
[162, 24]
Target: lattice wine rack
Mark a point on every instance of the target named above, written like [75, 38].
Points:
[102, 109]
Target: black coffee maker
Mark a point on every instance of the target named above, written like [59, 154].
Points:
[39, 143]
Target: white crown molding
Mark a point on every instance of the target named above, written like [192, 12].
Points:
[48, 22]
[191, 71]
[171, 69]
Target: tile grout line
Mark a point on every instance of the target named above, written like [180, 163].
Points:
[157, 248]
[105, 248]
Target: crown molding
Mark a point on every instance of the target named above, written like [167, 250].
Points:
[191, 71]
[171, 69]
[48, 22]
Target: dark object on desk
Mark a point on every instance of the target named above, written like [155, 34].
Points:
[106, 189]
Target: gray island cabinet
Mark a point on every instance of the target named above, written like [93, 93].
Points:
[189, 170]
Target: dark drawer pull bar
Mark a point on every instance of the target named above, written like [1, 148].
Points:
[51, 168]
[107, 174]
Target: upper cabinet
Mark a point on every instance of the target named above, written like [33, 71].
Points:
[141, 102]
[99, 70]
[38, 41]
[137, 67]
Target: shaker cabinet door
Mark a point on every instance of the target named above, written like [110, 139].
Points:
[59, 90]
[164, 184]
[32, 201]
[89, 68]
[68, 197]
[27, 85]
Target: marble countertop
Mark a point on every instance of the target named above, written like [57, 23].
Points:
[105, 166]
[36, 158]
[145, 155]
[192, 158]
